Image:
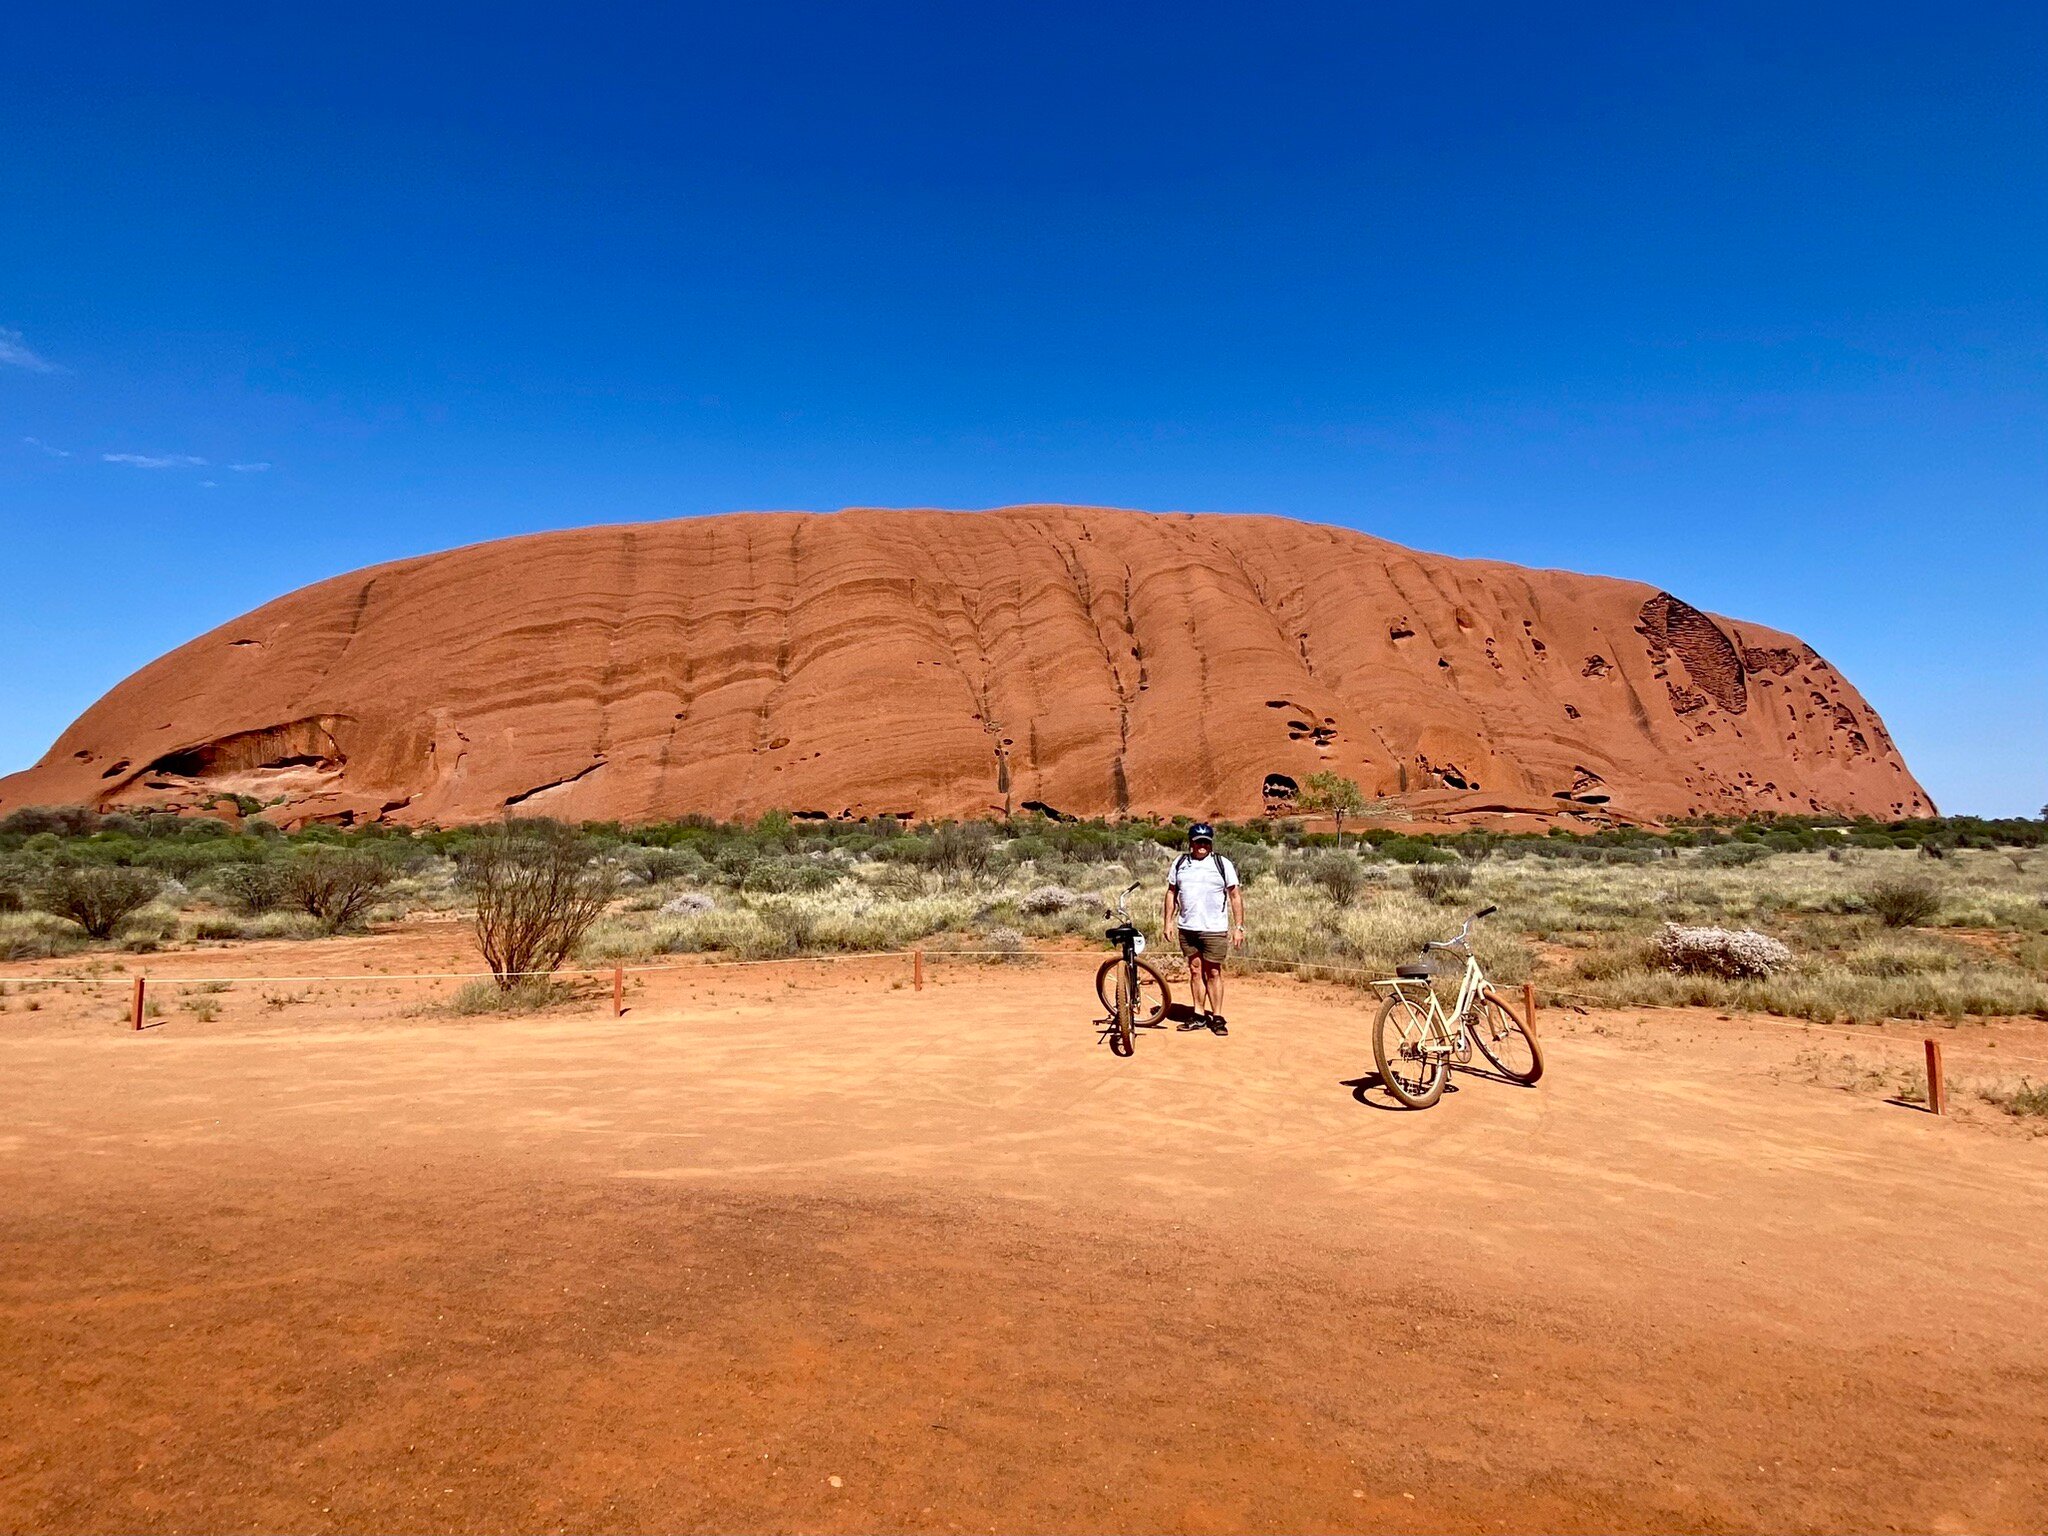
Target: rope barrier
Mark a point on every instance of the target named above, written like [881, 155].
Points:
[1315, 969]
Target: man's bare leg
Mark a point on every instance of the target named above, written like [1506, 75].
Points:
[1214, 980]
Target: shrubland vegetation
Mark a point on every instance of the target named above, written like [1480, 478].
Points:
[1906, 919]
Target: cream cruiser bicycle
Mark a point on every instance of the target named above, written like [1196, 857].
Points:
[1415, 1039]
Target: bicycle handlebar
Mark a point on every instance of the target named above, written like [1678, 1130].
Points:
[1463, 936]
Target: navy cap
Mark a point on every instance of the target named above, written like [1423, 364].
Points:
[1202, 832]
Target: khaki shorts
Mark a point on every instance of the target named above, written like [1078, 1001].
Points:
[1212, 947]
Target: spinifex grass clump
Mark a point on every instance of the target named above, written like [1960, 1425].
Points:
[1903, 903]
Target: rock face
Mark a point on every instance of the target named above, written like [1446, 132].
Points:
[1087, 661]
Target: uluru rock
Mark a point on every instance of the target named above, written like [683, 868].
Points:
[1078, 659]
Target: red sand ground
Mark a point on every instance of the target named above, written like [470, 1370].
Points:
[321, 1265]
[931, 663]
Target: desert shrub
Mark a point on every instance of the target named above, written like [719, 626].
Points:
[538, 889]
[38, 936]
[782, 876]
[1048, 901]
[968, 847]
[60, 820]
[283, 925]
[899, 880]
[1903, 903]
[335, 886]
[1727, 952]
[794, 926]
[1733, 855]
[97, 897]
[1340, 876]
[145, 930]
[1031, 849]
[1008, 944]
[1901, 957]
[250, 888]
[688, 904]
[2027, 1101]
[1440, 882]
[217, 928]
[1412, 850]
[662, 864]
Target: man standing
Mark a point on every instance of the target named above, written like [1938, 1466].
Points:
[1206, 905]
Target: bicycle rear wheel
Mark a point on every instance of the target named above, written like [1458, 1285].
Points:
[1120, 1016]
[1153, 995]
[1412, 1074]
[1506, 1040]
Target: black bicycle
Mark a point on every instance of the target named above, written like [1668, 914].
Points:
[1133, 989]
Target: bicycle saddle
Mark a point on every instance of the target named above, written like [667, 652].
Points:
[1413, 972]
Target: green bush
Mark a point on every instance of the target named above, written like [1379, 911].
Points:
[336, 886]
[1340, 876]
[1732, 855]
[97, 898]
[250, 888]
[781, 876]
[1440, 882]
[1902, 903]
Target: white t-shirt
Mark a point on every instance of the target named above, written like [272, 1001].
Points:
[1203, 886]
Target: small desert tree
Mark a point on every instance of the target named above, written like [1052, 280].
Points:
[538, 888]
[335, 885]
[1332, 793]
[97, 897]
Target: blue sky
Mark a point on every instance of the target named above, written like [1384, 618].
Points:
[1744, 301]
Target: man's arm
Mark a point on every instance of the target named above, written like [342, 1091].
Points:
[1237, 914]
[1166, 913]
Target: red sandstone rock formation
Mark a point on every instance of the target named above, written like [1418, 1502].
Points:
[955, 664]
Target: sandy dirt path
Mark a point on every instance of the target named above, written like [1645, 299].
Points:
[801, 1248]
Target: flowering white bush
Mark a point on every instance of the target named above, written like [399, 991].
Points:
[1047, 900]
[1735, 953]
[689, 904]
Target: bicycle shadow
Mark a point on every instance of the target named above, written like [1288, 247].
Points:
[1362, 1090]
[1361, 1087]
[1176, 1014]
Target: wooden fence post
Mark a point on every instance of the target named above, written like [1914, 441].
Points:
[618, 991]
[1529, 1003]
[137, 1009]
[917, 970]
[1937, 1090]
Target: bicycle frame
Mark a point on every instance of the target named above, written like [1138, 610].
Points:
[1448, 1024]
[1130, 944]
[1446, 1029]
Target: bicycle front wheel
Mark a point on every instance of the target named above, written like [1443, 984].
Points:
[1506, 1040]
[1413, 1073]
[1151, 999]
